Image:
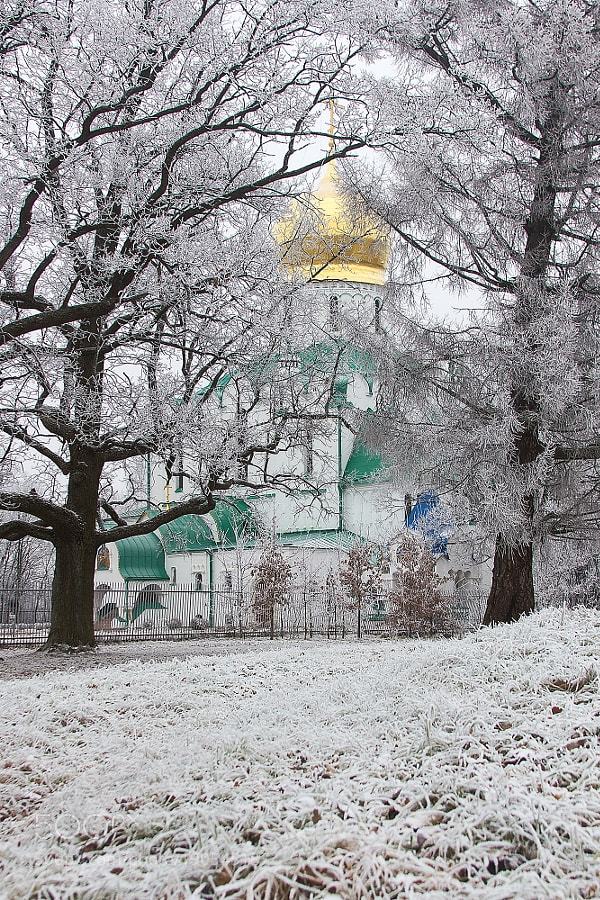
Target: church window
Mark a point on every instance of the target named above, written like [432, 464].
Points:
[308, 450]
[103, 558]
[334, 310]
[243, 460]
[179, 474]
[378, 306]
[290, 363]
[227, 581]
[198, 581]
[173, 575]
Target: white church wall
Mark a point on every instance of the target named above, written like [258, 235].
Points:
[109, 574]
[361, 393]
[374, 511]
[305, 512]
[462, 572]
[232, 567]
[185, 565]
[311, 566]
[337, 305]
[158, 482]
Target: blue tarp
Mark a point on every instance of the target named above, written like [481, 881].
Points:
[435, 531]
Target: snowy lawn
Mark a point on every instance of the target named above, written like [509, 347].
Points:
[462, 768]
[21, 662]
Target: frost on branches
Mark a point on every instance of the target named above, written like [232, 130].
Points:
[493, 193]
[146, 148]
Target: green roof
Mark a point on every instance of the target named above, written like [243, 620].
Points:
[187, 533]
[235, 521]
[142, 558]
[326, 539]
[217, 389]
[364, 465]
[327, 357]
[323, 359]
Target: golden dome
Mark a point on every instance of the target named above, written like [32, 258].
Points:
[323, 239]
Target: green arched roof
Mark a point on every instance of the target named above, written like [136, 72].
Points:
[187, 533]
[363, 465]
[142, 558]
[235, 521]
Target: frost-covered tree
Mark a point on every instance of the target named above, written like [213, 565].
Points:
[144, 148]
[271, 587]
[24, 564]
[360, 578]
[568, 572]
[416, 600]
[496, 191]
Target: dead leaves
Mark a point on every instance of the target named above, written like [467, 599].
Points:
[573, 685]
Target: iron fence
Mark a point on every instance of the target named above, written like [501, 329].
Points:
[177, 612]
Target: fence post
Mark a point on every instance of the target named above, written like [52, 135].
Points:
[211, 608]
[305, 622]
[239, 605]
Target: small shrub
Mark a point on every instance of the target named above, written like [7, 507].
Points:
[272, 582]
[418, 605]
[360, 577]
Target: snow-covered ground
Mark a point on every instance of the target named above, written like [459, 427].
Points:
[21, 662]
[457, 768]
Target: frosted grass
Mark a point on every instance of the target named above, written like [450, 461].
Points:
[463, 768]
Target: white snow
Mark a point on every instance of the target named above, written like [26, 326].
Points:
[20, 661]
[455, 768]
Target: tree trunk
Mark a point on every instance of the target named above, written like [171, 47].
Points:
[72, 619]
[511, 595]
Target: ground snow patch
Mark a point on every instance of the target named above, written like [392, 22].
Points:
[461, 768]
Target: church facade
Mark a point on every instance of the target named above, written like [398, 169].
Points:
[342, 258]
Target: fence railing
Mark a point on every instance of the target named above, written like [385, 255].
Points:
[176, 612]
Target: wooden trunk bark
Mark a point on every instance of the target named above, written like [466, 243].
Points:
[72, 618]
[512, 593]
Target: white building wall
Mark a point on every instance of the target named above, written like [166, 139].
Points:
[186, 565]
[356, 306]
[375, 511]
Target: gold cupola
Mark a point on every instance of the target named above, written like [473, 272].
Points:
[324, 239]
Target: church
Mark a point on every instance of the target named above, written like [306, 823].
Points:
[341, 259]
